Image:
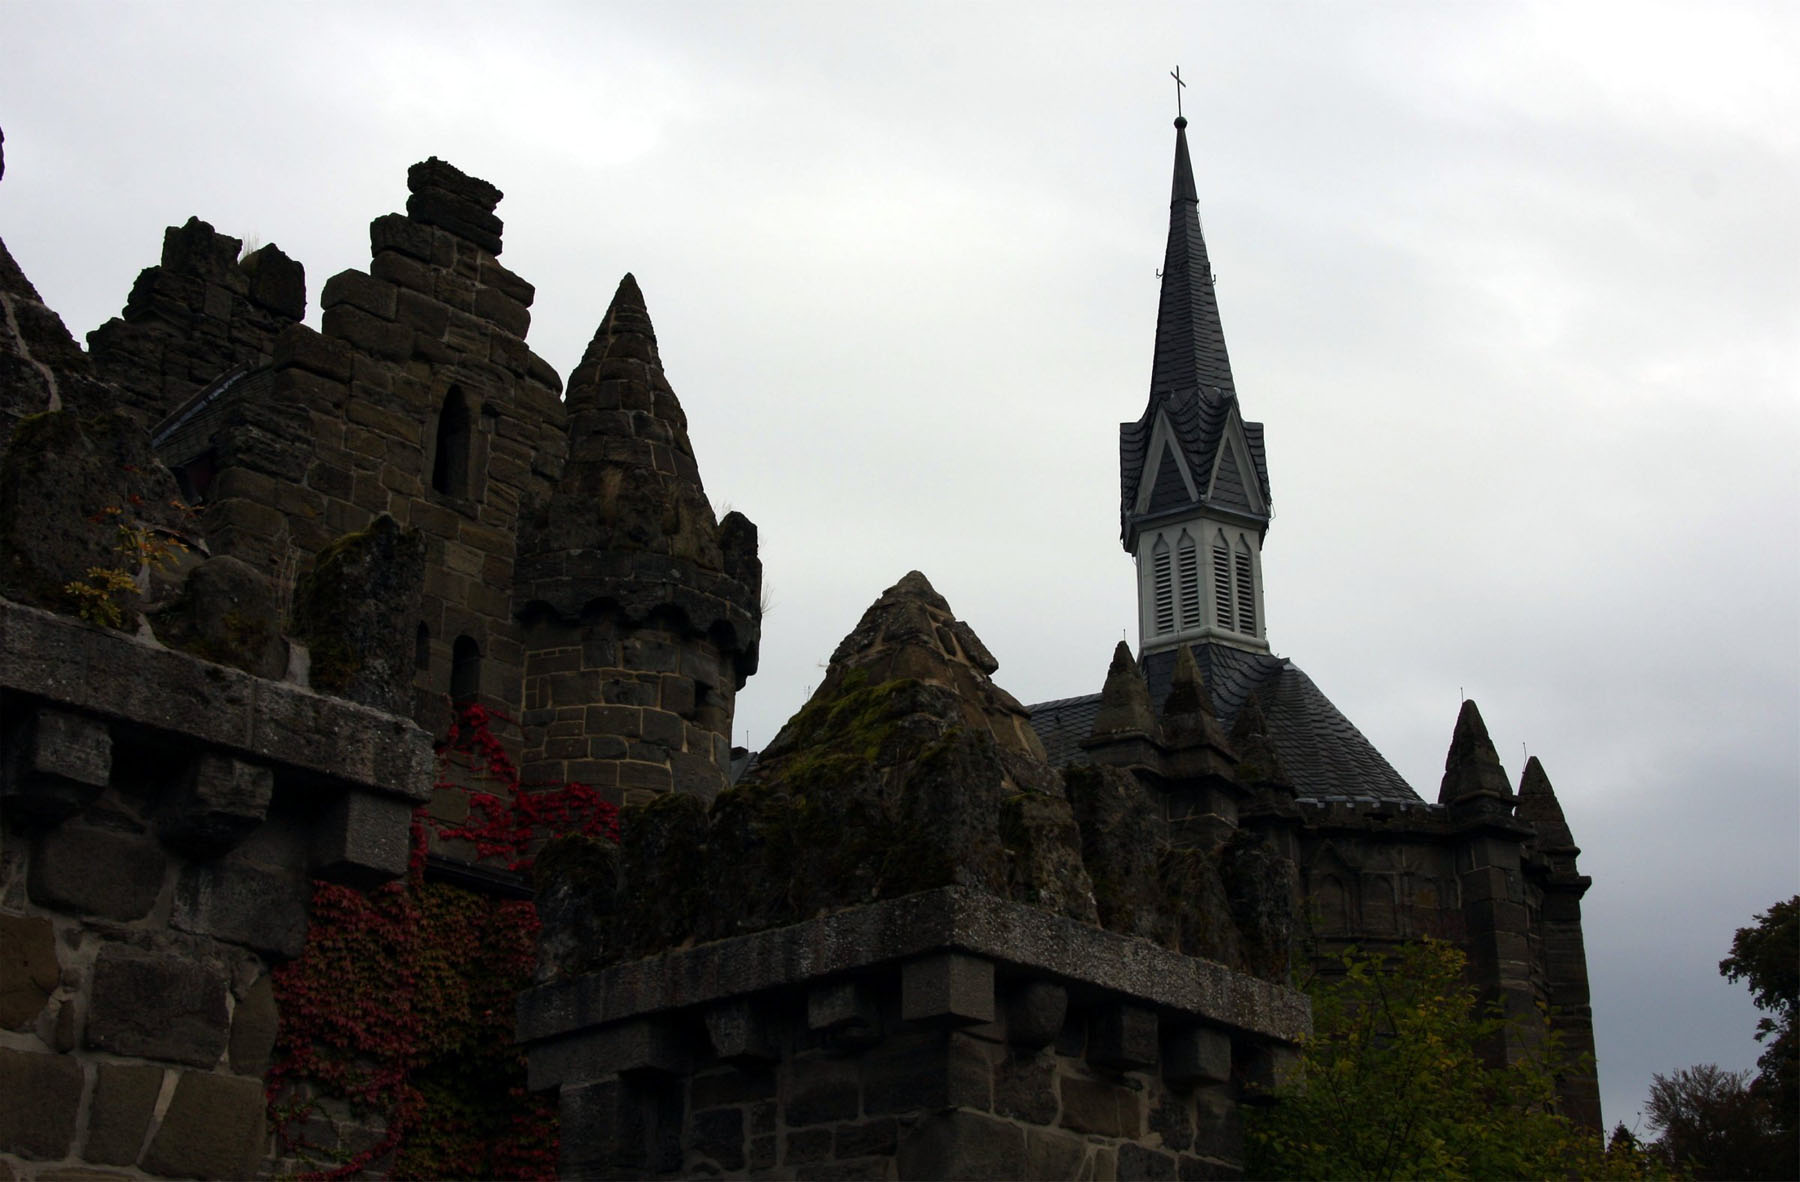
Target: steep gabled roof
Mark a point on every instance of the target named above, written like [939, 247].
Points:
[1322, 751]
[1190, 376]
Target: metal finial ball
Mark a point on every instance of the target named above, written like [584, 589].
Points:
[1180, 122]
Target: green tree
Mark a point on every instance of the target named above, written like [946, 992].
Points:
[1725, 1124]
[1394, 1084]
[1767, 957]
[1713, 1126]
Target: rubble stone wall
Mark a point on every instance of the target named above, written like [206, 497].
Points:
[200, 312]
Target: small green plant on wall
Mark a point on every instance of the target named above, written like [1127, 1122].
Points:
[101, 597]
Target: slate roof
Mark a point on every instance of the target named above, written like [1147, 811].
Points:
[1190, 377]
[1323, 752]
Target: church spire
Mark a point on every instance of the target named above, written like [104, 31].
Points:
[1190, 341]
[1193, 481]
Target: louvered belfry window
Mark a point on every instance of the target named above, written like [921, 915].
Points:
[1164, 591]
[1221, 574]
[1187, 579]
[1246, 591]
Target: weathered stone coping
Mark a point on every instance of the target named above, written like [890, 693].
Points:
[946, 919]
[102, 672]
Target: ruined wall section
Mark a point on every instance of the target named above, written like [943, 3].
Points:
[200, 312]
[418, 399]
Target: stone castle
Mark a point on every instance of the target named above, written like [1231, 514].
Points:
[928, 932]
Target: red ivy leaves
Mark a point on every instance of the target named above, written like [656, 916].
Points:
[507, 824]
[402, 1004]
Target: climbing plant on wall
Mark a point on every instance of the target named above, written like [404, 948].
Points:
[396, 1052]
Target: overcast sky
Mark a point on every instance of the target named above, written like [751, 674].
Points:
[1515, 288]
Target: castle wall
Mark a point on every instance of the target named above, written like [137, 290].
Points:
[948, 1034]
[162, 819]
[418, 399]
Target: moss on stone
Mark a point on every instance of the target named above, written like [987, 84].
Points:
[353, 608]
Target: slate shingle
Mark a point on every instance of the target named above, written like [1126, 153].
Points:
[1323, 752]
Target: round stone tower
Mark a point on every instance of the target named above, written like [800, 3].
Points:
[640, 610]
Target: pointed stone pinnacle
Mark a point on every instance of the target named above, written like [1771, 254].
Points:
[625, 332]
[1472, 767]
[1125, 700]
[1538, 804]
[1188, 718]
[1257, 758]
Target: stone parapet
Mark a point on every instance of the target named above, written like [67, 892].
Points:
[117, 678]
[162, 820]
[948, 1033]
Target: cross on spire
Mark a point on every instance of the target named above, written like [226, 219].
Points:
[1179, 87]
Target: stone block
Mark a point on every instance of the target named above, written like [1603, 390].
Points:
[465, 219]
[925, 1070]
[254, 1025]
[1218, 1123]
[299, 347]
[277, 282]
[218, 802]
[42, 1096]
[157, 1006]
[718, 1135]
[1172, 1119]
[124, 1098]
[606, 1127]
[749, 1082]
[1035, 1013]
[807, 1146]
[1263, 1069]
[641, 1045]
[822, 1090]
[213, 1129]
[94, 871]
[1095, 1106]
[29, 971]
[738, 1031]
[396, 232]
[1197, 1054]
[845, 1010]
[493, 274]
[503, 311]
[1025, 1088]
[1053, 1155]
[868, 1138]
[947, 988]
[384, 339]
[1140, 1161]
[362, 840]
[966, 1145]
[55, 764]
[1122, 1037]
[352, 287]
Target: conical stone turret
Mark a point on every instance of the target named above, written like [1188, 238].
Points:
[641, 611]
[1472, 772]
[1125, 709]
[1258, 762]
[1190, 729]
[1538, 805]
